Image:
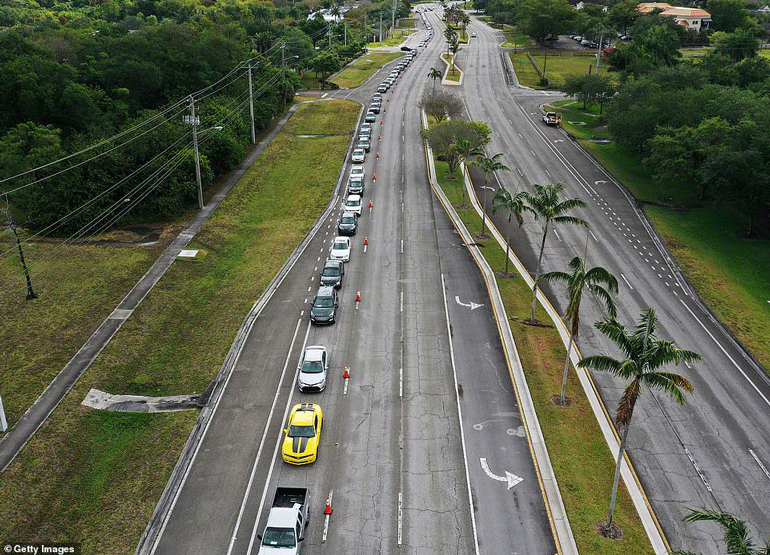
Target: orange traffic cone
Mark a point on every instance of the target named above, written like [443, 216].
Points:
[366, 239]
[346, 374]
[374, 176]
[381, 123]
[328, 509]
[370, 207]
[358, 296]
[378, 156]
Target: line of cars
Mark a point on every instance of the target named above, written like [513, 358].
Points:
[428, 27]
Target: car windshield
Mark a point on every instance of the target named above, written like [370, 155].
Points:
[312, 367]
[353, 203]
[323, 302]
[301, 431]
[331, 271]
[279, 537]
[341, 246]
[348, 220]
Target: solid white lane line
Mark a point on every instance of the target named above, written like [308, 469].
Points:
[762, 466]
[765, 399]
[624, 279]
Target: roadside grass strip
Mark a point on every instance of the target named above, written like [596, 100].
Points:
[359, 71]
[94, 477]
[582, 462]
[557, 67]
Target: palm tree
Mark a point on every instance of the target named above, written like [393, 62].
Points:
[464, 149]
[735, 532]
[545, 203]
[454, 48]
[645, 355]
[578, 280]
[488, 164]
[516, 206]
[464, 20]
[434, 74]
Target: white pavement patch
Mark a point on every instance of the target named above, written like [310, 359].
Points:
[188, 253]
[97, 399]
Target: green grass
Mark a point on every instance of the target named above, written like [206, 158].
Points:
[399, 36]
[557, 67]
[449, 76]
[581, 460]
[407, 23]
[573, 115]
[356, 73]
[93, 477]
[514, 39]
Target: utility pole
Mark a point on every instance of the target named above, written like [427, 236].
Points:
[393, 17]
[251, 110]
[599, 53]
[380, 27]
[345, 25]
[283, 62]
[7, 212]
[330, 35]
[197, 154]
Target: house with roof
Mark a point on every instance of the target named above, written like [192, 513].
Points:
[691, 18]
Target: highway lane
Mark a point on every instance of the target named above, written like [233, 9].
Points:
[706, 454]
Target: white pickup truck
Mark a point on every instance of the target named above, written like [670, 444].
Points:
[285, 528]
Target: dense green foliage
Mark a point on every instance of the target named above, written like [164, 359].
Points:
[119, 75]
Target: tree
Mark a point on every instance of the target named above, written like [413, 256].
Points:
[727, 15]
[734, 531]
[546, 204]
[644, 355]
[454, 48]
[488, 164]
[464, 149]
[442, 135]
[541, 19]
[325, 63]
[623, 14]
[578, 280]
[434, 74]
[516, 206]
[737, 46]
[589, 89]
[441, 105]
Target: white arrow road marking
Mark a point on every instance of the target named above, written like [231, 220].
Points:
[472, 305]
[600, 182]
[512, 479]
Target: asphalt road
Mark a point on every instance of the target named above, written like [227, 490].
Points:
[392, 449]
[713, 453]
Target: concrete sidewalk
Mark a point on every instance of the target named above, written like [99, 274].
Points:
[18, 436]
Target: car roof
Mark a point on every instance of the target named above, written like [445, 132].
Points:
[348, 213]
[314, 352]
[354, 197]
[341, 238]
[325, 291]
[304, 415]
[332, 262]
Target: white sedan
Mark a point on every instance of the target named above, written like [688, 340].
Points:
[353, 204]
[357, 170]
[312, 369]
[359, 155]
[340, 249]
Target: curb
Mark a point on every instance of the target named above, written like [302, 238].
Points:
[557, 514]
[646, 514]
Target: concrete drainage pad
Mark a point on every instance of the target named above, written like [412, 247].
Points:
[97, 399]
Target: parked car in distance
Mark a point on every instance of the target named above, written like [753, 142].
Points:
[324, 307]
[312, 369]
[357, 170]
[340, 249]
[382, 89]
[364, 143]
[348, 222]
[332, 273]
[303, 432]
[358, 156]
[370, 117]
[406, 49]
[551, 118]
[367, 132]
[353, 204]
[473, 35]
[374, 107]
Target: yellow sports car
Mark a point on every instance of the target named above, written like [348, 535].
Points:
[301, 443]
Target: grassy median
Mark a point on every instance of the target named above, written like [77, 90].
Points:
[359, 71]
[94, 477]
[580, 457]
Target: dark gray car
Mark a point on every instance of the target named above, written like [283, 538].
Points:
[332, 273]
[324, 307]
[348, 224]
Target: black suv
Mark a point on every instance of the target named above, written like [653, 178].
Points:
[332, 273]
[347, 224]
[324, 307]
